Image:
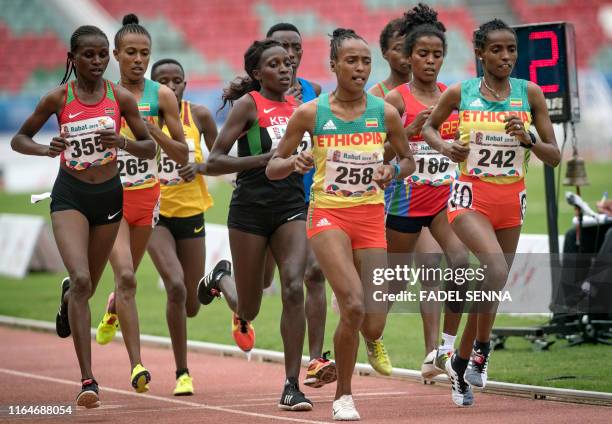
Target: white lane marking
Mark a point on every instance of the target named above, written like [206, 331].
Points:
[159, 398]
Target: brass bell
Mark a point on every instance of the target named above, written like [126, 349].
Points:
[576, 175]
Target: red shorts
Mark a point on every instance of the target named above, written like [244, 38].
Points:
[141, 207]
[364, 225]
[504, 205]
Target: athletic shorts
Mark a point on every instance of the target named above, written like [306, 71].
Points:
[100, 203]
[504, 205]
[410, 224]
[260, 220]
[141, 206]
[184, 228]
[364, 225]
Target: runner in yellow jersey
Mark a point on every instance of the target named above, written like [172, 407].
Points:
[157, 106]
[346, 216]
[177, 245]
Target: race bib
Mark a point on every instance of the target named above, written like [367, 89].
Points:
[495, 154]
[85, 148]
[276, 133]
[135, 171]
[462, 196]
[350, 173]
[168, 170]
[432, 167]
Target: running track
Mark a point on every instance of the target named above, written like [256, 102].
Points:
[40, 369]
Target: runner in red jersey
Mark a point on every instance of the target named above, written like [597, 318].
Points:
[419, 202]
[86, 201]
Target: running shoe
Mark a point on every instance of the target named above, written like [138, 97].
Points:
[140, 379]
[321, 371]
[88, 397]
[62, 324]
[292, 398]
[208, 287]
[184, 385]
[441, 359]
[428, 368]
[378, 357]
[476, 372]
[108, 326]
[243, 333]
[343, 409]
[461, 392]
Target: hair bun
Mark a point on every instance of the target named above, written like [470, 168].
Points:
[130, 18]
[339, 32]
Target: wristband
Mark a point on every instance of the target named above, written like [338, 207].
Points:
[396, 170]
[533, 140]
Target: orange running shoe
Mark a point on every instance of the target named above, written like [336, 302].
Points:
[321, 371]
[243, 333]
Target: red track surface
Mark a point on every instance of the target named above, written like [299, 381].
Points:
[40, 369]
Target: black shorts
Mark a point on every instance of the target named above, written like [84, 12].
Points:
[262, 221]
[184, 228]
[100, 203]
[409, 224]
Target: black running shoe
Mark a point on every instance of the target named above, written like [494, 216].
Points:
[62, 325]
[88, 397]
[292, 398]
[208, 287]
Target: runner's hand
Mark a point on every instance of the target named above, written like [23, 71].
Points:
[456, 151]
[516, 128]
[110, 139]
[57, 146]
[303, 162]
[383, 175]
[296, 92]
[188, 172]
[415, 127]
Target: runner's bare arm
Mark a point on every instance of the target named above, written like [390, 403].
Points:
[175, 147]
[145, 147]
[547, 150]
[23, 143]
[449, 101]
[239, 120]
[208, 128]
[399, 142]
[283, 162]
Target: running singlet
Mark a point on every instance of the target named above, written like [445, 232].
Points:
[383, 88]
[426, 191]
[346, 154]
[78, 123]
[308, 94]
[137, 173]
[494, 156]
[252, 185]
[181, 199]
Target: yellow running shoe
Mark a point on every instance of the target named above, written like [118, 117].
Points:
[107, 328]
[378, 357]
[184, 385]
[140, 379]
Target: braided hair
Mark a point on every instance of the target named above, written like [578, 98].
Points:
[130, 26]
[422, 21]
[242, 85]
[74, 45]
[338, 37]
[481, 34]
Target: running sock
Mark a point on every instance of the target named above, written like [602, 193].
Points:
[459, 364]
[448, 343]
[482, 347]
[181, 372]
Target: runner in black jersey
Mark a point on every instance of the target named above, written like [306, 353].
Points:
[262, 212]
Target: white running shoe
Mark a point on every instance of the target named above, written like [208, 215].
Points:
[428, 367]
[343, 409]
[461, 392]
